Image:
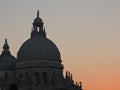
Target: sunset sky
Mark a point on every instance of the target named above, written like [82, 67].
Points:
[87, 33]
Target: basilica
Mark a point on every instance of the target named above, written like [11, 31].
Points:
[38, 65]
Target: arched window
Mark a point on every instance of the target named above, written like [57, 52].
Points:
[37, 77]
[21, 75]
[2, 88]
[27, 75]
[53, 79]
[12, 87]
[57, 79]
[44, 78]
[6, 75]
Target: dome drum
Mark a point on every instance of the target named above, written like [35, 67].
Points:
[38, 63]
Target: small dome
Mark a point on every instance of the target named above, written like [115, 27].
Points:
[38, 20]
[39, 48]
[7, 61]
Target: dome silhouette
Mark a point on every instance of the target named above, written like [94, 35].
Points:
[39, 48]
[7, 61]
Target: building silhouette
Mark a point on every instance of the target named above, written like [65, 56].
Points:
[37, 66]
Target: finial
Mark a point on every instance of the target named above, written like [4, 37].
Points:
[6, 48]
[6, 41]
[38, 13]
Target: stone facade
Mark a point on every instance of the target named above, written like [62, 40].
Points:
[38, 65]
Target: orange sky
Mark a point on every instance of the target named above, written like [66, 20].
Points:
[87, 33]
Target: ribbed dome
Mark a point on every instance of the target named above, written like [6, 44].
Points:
[7, 61]
[39, 48]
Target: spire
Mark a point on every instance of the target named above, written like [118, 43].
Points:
[6, 48]
[38, 13]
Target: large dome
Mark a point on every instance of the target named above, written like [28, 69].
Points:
[38, 48]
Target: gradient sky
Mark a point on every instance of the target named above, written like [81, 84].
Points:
[87, 33]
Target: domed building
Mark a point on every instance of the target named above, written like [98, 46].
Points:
[38, 65]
